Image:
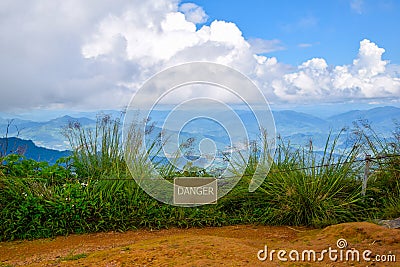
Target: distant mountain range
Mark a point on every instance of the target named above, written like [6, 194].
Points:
[47, 134]
[14, 145]
[297, 127]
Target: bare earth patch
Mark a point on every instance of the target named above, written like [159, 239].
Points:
[219, 246]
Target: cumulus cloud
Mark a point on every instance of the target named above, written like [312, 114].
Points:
[96, 54]
[41, 61]
[365, 78]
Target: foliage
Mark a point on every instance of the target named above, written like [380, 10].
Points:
[18, 166]
[93, 191]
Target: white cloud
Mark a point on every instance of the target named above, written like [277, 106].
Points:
[261, 46]
[175, 40]
[369, 62]
[95, 54]
[40, 49]
[365, 78]
[193, 13]
[312, 79]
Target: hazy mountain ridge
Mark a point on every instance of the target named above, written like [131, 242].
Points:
[45, 134]
[291, 125]
[381, 118]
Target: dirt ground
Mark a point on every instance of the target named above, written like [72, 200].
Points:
[220, 246]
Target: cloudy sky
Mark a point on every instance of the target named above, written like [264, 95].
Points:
[95, 54]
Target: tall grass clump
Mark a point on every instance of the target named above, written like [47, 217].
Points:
[248, 169]
[97, 152]
[139, 156]
[305, 188]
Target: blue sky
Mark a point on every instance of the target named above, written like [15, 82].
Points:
[89, 55]
[330, 29]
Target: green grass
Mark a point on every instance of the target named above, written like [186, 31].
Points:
[74, 257]
[97, 152]
[94, 191]
[314, 195]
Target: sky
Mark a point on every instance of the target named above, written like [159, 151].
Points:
[95, 54]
